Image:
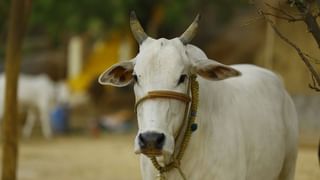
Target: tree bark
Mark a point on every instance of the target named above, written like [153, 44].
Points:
[313, 27]
[310, 20]
[18, 15]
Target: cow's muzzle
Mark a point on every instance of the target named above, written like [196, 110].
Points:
[151, 143]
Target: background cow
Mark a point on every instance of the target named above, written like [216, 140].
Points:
[37, 97]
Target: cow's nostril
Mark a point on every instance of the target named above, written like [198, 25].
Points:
[142, 142]
[160, 141]
[151, 140]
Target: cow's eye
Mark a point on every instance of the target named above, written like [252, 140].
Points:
[182, 78]
[135, 78]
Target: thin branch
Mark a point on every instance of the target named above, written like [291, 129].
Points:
[289, 19]
[307, 16]
[280, 10]
[282, 14]
[315, 60]
[251, 21]
[314, 84]
[309, 19]
[313, 71]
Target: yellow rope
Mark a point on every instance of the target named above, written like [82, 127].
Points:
[186, 138]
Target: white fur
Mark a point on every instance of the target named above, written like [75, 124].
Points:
[247, 125]
[37, 96]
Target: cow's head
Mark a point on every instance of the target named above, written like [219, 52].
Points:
[162, 64]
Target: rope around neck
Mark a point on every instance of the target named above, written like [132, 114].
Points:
[186, 138]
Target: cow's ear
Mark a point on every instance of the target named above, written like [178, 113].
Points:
[118, 75]
[207, 68]
[212, 70]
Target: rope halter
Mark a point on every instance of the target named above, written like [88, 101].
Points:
[189, 118]
[163, 94]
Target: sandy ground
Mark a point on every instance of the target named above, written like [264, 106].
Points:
[106, 158]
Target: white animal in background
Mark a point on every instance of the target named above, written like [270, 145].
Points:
[62, 93]
[37, 96]
[247, 123]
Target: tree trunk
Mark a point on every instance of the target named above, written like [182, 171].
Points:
[17, 23]
[310, 20]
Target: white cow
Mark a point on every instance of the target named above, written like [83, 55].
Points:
[247, 123]
[36, 97]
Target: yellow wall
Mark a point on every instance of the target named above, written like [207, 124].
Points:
[104, 54]
[285, 60]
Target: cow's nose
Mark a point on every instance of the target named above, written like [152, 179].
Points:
[151, 140]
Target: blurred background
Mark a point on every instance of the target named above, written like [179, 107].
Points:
[74, 128]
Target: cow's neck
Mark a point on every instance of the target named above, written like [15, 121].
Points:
[200, 138]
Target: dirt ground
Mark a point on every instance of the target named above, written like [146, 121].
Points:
[109, 157]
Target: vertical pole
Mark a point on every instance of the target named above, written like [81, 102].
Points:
[75, 57]
[17, 24]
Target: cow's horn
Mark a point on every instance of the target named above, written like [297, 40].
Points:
[188, 35]
[136, 28]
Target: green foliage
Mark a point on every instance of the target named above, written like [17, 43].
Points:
[4, 11]
[57, 18]
[180, 13]
[75, 15]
